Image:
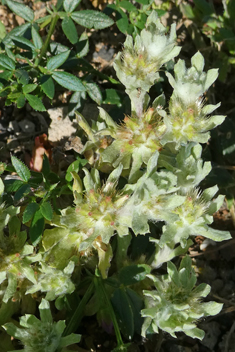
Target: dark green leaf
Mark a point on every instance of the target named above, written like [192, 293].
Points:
[94, 92]
[127, 5]
[23, 43]
[37, 227]
[46, 211]
[48, 86]
[132, 274]
[92, 19]
[112, 97]
[21, 10]
[143, 2]
[205, 7]
[123, 309]
[12, 185]
[70, 30]
[137, 304]
[20, 102]
[29, 212]
[35, 102]
[6, 62]
[76, 102]
[82, 47]
[68, 81]
[22, 76]
[46, 166]
[22, 192]
[21, 169]
[29, 88]
[70, 5]
[37, 40]
[122, 21]
[57, 61]
[10, 54]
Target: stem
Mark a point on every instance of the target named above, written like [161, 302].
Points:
[45, 45]
[112, 314]
[78, 314]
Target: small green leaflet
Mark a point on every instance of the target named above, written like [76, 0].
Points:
[57, 61]
[6, 62]
[69, 81]
[29, 212]
[92, 19]
[48, 86]
[21, 169]
[21, 10]
[46, 211]
[35, 102]
[70, 5]
[37, 227]
[70, 30]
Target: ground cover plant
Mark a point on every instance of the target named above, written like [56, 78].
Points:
[119, 250]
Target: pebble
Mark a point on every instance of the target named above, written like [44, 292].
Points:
[27, 126]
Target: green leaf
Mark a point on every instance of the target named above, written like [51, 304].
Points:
[6, 62]
[70, 5]
[20, 102]
[112, 97]
[94, 92]
[122, 21]
[29, 88]
[68, 81]
[37, 227]
[21, 10]
[22, 192]
[70, 30]
[46, 169]
[48, 86]
[21, 169]
[57, 61]
[127, 5]
[46, 211]
[37, 40]
[29, 212]
[22, 76]
[92, 19]
[23, 43]
[82, 47]
[132, 274]
[122, 306]
[2, 31]
[35, 102]
[76, 166]
[143, 2]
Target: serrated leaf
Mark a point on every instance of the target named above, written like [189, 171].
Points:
[70, 5]
[132, 274]
[23, 43]
[6, 62]
[48, 86]
[37, 40]
[57, 61]
[35, 102]
[46, 211]
[37, 227]
[22, 76]
[21, 169]
[82, 47]
[29, 88]
[127, 5]
[92, 19]
[70, 30]
[29, 212]
[68, 81]
[22, 192]
[94, 92]
[21, 10]
[20, 102]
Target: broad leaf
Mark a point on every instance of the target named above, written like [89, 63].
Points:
[29, 212]
[21, 10]
[70, 30]
[48, 86]
[22, 192]
[22, 76]
[57, 61]
[6, 62]
[132, 274]
[37, 40]
[23, 43]
[46, 211]
[35, 102]
[20, 102]
[94, 92]
[21, 169]
[29, 88]
[92, 19]
[37, 227]
[68, 81]
[70, 5]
